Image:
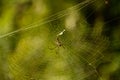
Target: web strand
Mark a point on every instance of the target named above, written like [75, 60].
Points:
[51, 18]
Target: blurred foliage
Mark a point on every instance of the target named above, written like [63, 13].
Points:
[60, 40]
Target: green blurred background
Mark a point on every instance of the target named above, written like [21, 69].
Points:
[34, 45]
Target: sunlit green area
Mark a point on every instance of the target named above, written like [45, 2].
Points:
[59, 39]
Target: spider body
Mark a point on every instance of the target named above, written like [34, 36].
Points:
[58, 42]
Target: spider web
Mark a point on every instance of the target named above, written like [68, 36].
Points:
[77, 58]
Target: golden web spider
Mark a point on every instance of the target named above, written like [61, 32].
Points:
[58, 42]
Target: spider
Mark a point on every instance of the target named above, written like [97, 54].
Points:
[58, 43]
